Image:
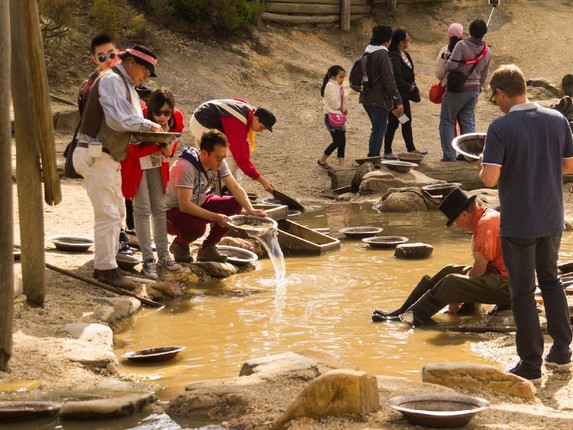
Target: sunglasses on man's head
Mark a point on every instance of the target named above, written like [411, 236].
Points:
[103, 57]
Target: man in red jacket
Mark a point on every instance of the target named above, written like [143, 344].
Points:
[239, 121]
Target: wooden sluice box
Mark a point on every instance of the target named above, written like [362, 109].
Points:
[295, 238]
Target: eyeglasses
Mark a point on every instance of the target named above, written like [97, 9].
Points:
[103, 57]
[492, 97]
[163, 113]
[219, 158]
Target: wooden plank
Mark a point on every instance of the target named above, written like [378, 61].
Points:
[6, 218]
[29, 181]
[309, 9]
[345, 15]
[300, 19]
[336, 2]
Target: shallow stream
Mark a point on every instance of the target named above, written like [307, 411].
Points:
[324, 303]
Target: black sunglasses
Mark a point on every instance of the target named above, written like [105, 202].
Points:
[103, 57]
[163, 112]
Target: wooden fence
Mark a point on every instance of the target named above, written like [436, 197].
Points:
[327, 11]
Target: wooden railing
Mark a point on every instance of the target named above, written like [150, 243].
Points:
[327, 11]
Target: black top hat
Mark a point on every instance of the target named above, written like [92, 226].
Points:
[455, 203]
[143, 56]
[266, 118]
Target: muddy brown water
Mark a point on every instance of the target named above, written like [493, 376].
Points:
[325, 303]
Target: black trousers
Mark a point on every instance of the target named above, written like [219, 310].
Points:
[338, 142]
[393, 125]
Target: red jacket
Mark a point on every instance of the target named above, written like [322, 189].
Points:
[131, 172]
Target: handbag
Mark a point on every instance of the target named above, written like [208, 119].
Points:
[69, 170]
[436, 93]
[415, 95]
[338, 120]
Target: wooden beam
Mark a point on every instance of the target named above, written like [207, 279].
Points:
[306, 19]
[314, 9]
[28, 175]
[345, 15]
[6, 217]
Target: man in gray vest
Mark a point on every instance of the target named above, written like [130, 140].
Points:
[112, 113]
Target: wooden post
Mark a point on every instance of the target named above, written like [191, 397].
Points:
[6, 221]
[345, 15]
[27, 66]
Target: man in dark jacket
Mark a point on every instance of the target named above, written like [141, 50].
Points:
[381, 94]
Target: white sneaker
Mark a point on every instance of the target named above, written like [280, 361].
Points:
[149, 269]
[169, 264]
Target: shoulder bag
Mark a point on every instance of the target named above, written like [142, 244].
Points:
[457, 79]
[69, 170]
[338, 120]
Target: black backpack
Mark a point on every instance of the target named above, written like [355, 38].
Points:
[358, 78]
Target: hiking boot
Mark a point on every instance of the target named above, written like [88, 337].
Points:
[380, 316]
[181, 253]
[115, 279]
[210, 253]
[169, 264]
[149, 270]
[558, 361]
[533, 375]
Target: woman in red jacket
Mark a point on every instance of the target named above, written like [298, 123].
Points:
[145, 173]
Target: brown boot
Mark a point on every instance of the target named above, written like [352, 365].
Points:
[115, 279]
[180, 252]
[210, 253]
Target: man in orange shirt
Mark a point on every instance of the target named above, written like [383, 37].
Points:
[485, 281]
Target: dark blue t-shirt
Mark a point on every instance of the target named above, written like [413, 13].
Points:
[529, 144]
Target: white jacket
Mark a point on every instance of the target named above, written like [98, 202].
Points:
[332, 99]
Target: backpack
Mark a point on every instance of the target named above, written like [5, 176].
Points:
[358, 78]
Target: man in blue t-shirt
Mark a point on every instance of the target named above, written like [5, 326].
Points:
[526, 153]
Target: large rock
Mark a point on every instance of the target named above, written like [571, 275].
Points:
[278, 363]
[116, 308]
[92, 333]
[96, 356]
[413, 251]
[337, 392]
[218, 270]
[478, 377]
[106, 408]
[380, 181]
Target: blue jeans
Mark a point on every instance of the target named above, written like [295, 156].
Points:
[524, 257]
[379, 120]
[462, 106]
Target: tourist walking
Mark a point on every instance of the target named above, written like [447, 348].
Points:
[192, 205]
[485, 281]
[112, 113]
[455, 34]
[469, 62]
[406, 82]
[335, 112]
[239, 121]
[527, 151]
[380, 95]
[145, 173]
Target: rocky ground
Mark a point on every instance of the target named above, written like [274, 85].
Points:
[281, 68]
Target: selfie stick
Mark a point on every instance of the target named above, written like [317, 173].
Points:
[490, 15]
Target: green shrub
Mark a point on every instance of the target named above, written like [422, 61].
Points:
[56, 17]
[224, 16]
[112, 18]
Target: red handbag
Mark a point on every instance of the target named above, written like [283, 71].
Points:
[436, 93]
